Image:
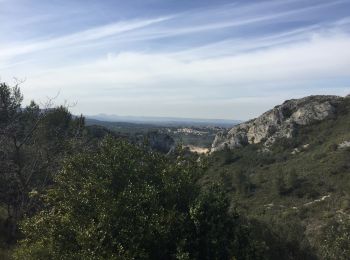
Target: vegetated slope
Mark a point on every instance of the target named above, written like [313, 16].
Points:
[281, 121]
[298, 185]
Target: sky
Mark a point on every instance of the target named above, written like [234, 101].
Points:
[175, 58]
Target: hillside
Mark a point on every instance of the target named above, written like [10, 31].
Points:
[299, 184]
[281, 121]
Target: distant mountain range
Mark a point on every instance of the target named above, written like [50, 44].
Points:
[165, 121]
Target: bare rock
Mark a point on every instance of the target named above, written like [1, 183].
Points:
[344, 144]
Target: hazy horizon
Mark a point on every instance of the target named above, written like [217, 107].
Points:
[141, 118]
[189, 59]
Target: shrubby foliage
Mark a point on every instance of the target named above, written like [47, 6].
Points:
[33, 142]
[336, 239]
[124, 202]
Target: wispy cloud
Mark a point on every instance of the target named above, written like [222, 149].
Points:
[82, 37]
[319, 59]
[134, 30]
[236, 21]
[224, 56]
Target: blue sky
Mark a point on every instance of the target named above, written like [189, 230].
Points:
[182, 58]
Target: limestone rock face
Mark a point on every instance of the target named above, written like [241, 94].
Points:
[281, 121]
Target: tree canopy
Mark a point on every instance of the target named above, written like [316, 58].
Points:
[33, 142]
[126, 202]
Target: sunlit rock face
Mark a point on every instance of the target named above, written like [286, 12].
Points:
[281, 121]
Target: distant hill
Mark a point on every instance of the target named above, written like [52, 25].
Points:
[165, 121]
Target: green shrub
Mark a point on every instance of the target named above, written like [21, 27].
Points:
[124, 202]
[336, 240]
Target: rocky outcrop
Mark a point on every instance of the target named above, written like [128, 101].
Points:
[344, 144]
[155, 141]
[160, 142]
[281, 121]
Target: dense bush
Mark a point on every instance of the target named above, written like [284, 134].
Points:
[336, 239]
[33, 142]
[124, 202]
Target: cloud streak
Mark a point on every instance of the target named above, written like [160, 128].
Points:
[136, 30]
[228, 56]
[131, 73]
[238, 22]
[82, 37]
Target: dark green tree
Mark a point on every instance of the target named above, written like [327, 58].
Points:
[32, 143]
[220, 234]
[126, 202]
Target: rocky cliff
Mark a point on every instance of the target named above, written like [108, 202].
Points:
[160, 142]
[281, 121]
[154, 140]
